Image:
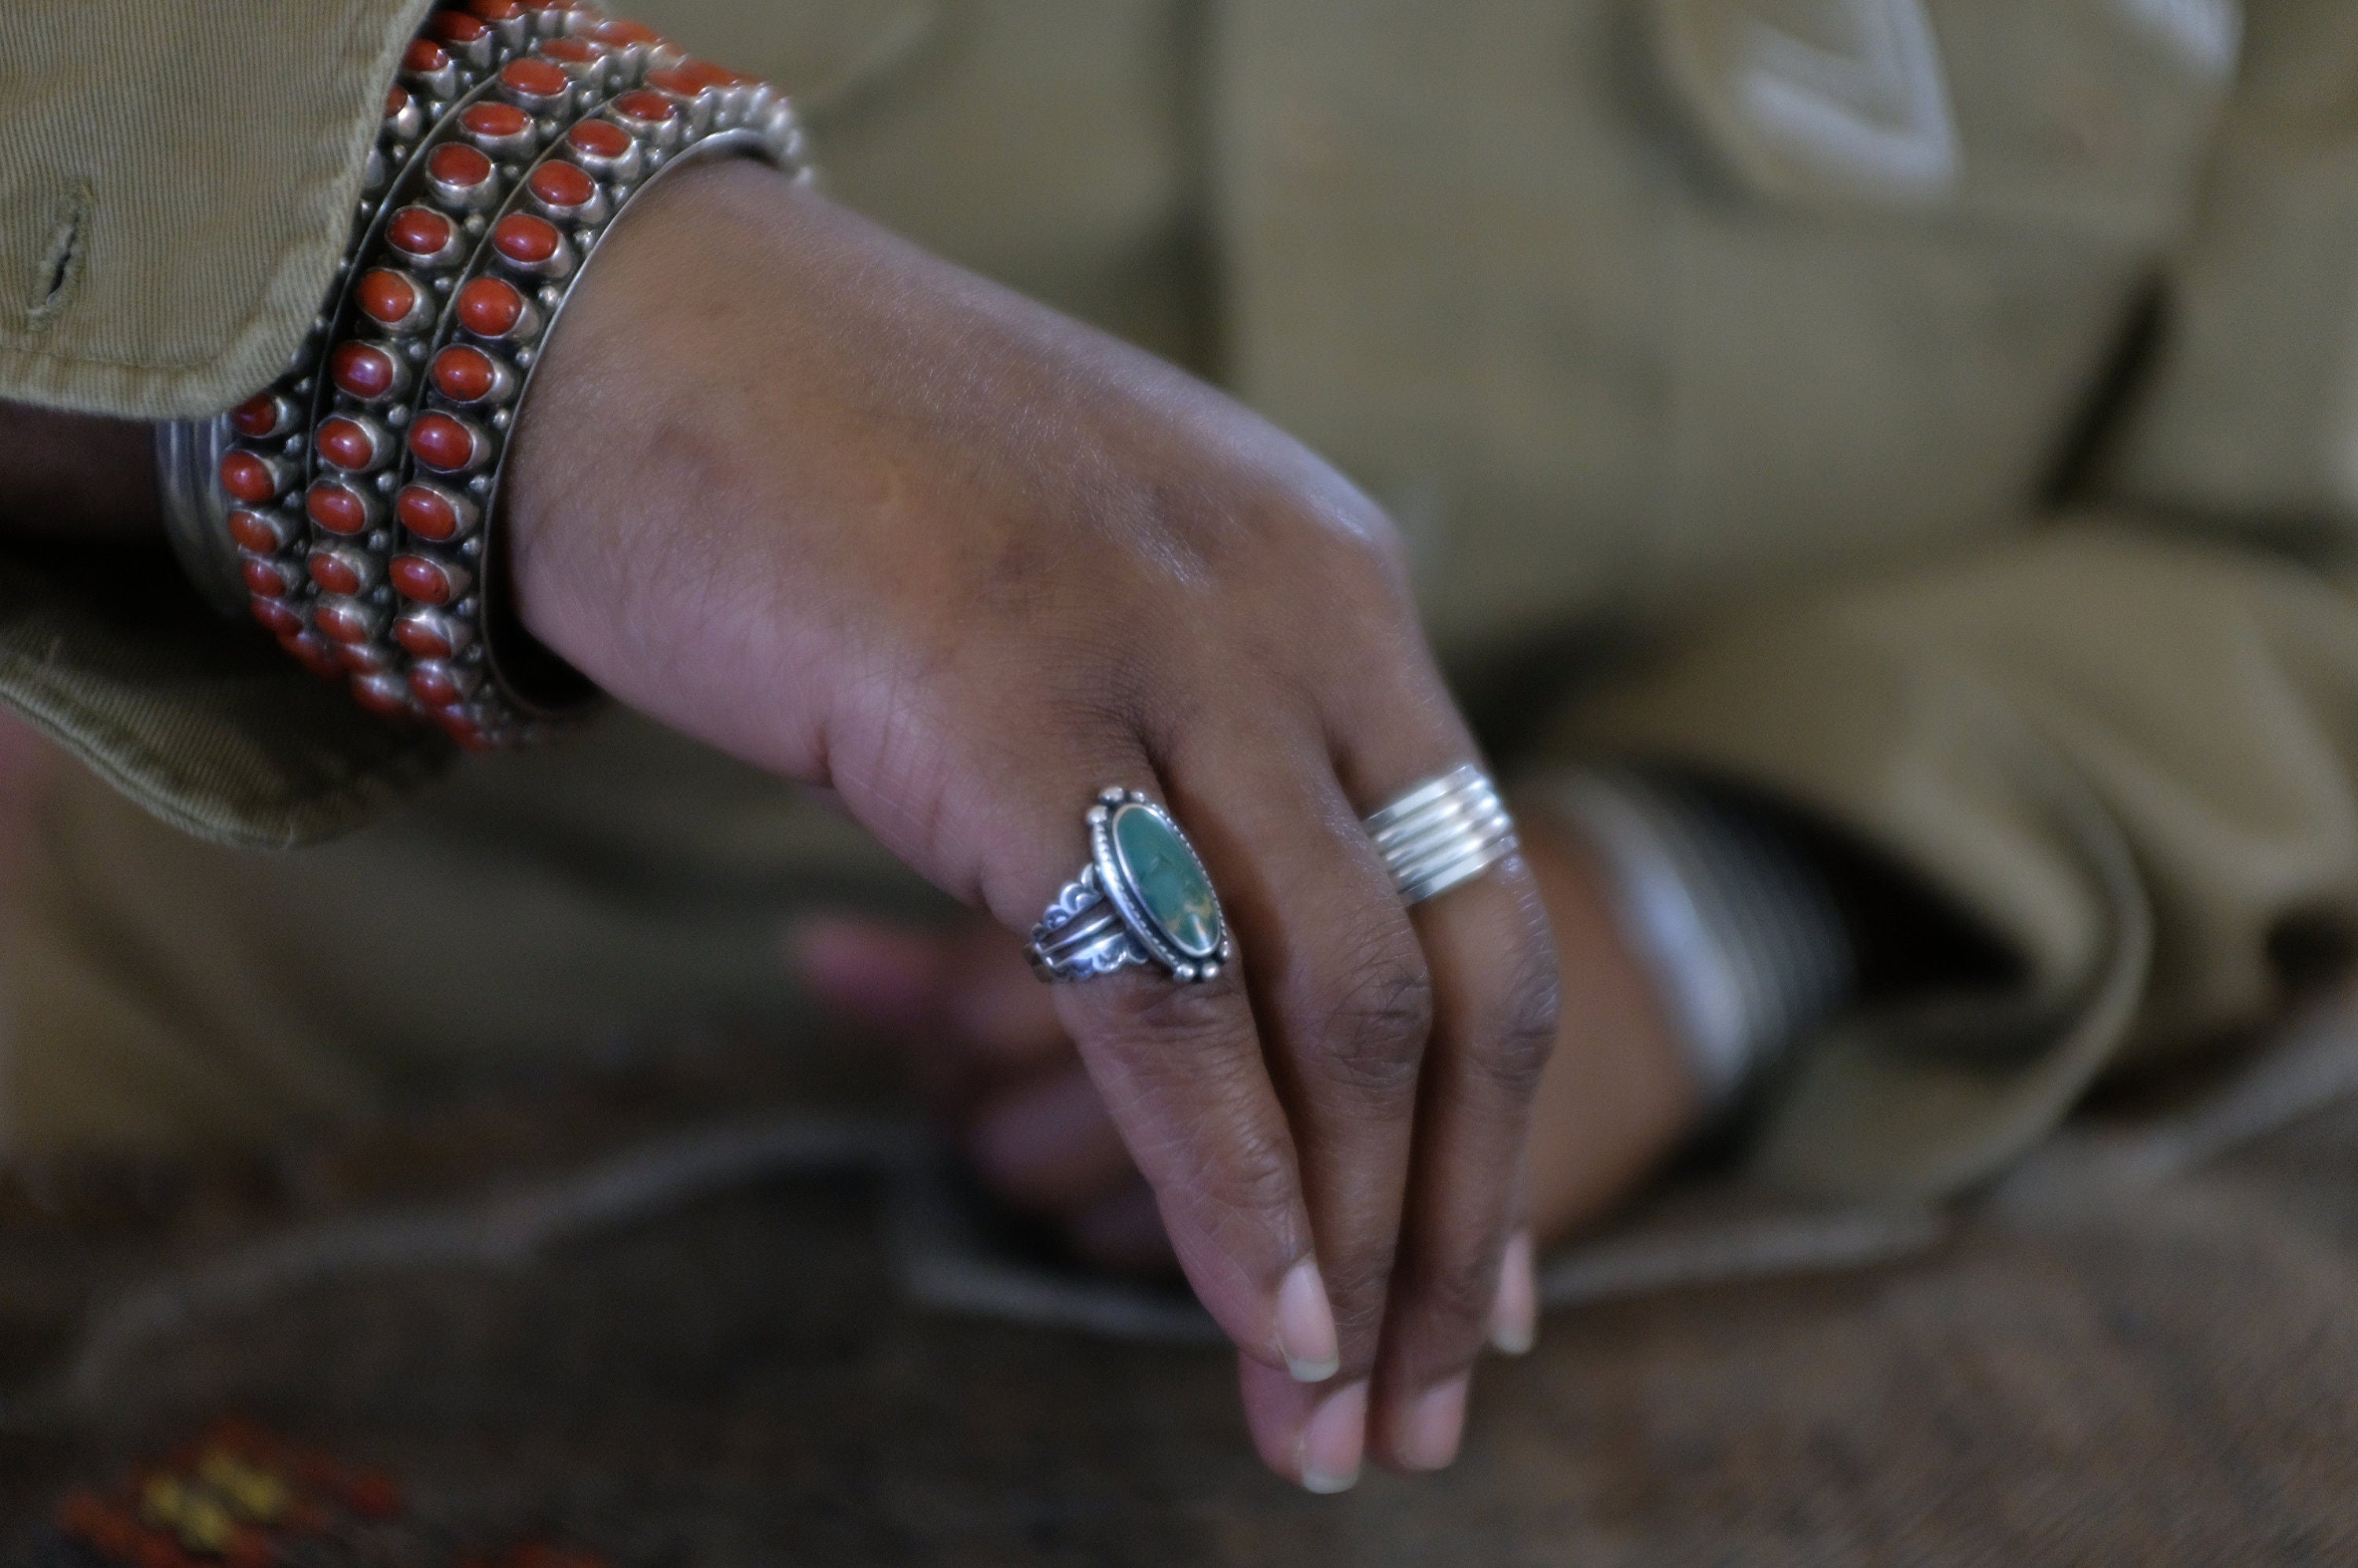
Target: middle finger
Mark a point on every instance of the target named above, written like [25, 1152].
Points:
[1340, 989]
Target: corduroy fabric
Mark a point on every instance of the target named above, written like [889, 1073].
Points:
[174, 186]
[201, 721]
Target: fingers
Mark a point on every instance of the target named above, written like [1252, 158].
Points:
[1495, 1019]
[961, 1001]
[1181, 1070]
[1313, 1434]
[1049, 1147]
[985, 1034]
[1124, 1232]
[1340, 987]
[1492, 962]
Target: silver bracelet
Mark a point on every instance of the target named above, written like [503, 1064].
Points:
[1736, 926]
[354, 499]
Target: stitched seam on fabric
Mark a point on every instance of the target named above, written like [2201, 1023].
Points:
[109, 746]
[274, 281]
[59, 268]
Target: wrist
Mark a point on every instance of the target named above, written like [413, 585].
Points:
[358, 496]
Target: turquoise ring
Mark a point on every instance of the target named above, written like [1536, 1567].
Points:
[1144, 898]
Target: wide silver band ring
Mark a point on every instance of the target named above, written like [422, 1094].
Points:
[1143, 898]
[1443, 833]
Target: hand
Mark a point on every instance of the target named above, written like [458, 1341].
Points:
[988, 1051]
[809, 494]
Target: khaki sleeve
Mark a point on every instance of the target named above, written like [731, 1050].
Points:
[175, 189]
[174, 186]
[2133, 758]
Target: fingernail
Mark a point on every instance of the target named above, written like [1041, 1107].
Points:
[1305, 1325]
[1514, 1311]
[1428, 1439]
[1334, 1440]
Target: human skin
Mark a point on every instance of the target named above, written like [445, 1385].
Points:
[807, 493]
[803, 492]
[990, 1054]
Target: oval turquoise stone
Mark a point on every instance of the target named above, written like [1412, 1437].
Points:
[1169, 882]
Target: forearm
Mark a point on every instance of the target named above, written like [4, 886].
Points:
[76, 477]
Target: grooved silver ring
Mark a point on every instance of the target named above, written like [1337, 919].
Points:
[1443, 833]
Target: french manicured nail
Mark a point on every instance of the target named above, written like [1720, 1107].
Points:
[1428, 1439]
[1305, 1325]
[1334, 1440]
[1514, 1311]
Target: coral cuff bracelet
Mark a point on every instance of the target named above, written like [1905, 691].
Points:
[350, 506]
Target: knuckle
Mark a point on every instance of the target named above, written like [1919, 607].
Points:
[1180, 1019]
[1378, 1018]
[1251, 1180]
[1455, 1301]
[1358, 1288]
[1515, 1030]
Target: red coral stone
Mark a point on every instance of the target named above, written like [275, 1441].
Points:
[418, 232]
[436, 684]
[495, 10]
[248, 476]
[525, 240]
[443, 443]
[333, 573]
[428, 582]
[258, 416]
[621, 33]
[361, 369]
[496, 121]
[599, 138]
[563, 184]
[572, 52]
[397, 99]
[490, 308]
[423, 57]
[640, 104]
[424, 634]
[338, 508]
[389, 297]
[460, 726]
[342, 620]
[455, 26]
[278, 615]
[455, 164]
[464, 375]
[347, 444]
[382, 693]
[426, 512]
[263, 533]
[672, 79]
[706, 74]
[534, 78]
[317, 654]
[269, 579]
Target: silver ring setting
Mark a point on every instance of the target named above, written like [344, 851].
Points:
[1442, 833]
[1144, 898]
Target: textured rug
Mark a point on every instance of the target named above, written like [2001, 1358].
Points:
[654, 1334]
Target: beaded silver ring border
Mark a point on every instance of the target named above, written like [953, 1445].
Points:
[1099, 923]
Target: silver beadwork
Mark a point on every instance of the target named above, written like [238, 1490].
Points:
[427, 116]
